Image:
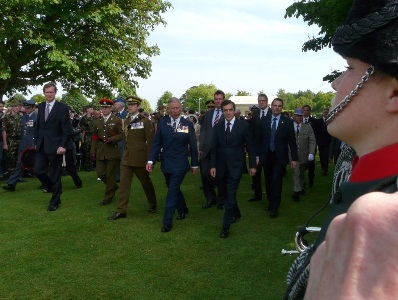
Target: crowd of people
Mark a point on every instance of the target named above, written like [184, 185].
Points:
[121, 141]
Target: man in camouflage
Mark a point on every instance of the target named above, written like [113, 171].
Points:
[87, 125]
[11, 134]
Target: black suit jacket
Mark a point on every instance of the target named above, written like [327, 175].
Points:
[206, 132]
[321, 132]
[284, 138]
[231, 154]
[56, 131]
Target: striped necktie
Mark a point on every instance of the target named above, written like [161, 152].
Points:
[217, 118]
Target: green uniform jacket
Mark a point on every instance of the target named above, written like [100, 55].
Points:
[112, 130]
[138, 137]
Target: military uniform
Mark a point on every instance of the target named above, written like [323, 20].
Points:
[87, 126]
[12, 127]
[104, 148]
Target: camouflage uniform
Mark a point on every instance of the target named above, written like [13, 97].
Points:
[87, 125]
[12, 127]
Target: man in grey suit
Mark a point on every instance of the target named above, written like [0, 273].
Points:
[210, 119]
[306, 144]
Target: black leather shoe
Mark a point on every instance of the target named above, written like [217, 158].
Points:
[296, 196]
[166, 227]
[116, 216]
[224, 233]
[152, 209]
[236, 218]
[208, 204]
[52, 207]
[9, 188]
[105, 202]
[253, 200]
[181, 216]
[273, 214]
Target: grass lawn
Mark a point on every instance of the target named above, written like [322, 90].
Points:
[76, 253]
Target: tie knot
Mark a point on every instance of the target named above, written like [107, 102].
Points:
[274, 119]
[228, 123]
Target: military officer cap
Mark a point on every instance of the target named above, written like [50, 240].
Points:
[105, 102]
[210, 103]
[133, 100]
[30, 102]
[119, 99]
[299, 112]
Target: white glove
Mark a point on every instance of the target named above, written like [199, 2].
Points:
[310, 157]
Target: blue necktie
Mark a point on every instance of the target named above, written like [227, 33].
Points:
[228, 131]
[273, 132]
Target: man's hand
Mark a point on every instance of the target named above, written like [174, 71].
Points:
[61, 150]
[213, 172]
[293, 164]
[252, 171]
[149, 167]
[358, 258]
[194, 171]
[92, 156]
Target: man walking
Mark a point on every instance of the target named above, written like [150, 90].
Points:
[176, 136]
[138, 138]
[228, 160]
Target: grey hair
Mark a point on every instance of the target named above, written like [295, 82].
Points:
[173, 99]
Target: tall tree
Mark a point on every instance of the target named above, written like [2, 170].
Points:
[195, 97]
[94, 45]
[328, 15]
[242, 93]
[164, 98]
[75, 100]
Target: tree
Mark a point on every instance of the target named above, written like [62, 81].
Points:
[242, 93]
[75, 100]
[328, 15]
[195, 97]
[94, 45]
[146, 105]
[164, 98]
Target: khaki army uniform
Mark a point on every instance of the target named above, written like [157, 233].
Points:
[12, 127]
[107, 153]
[138, 135]
[87, 125]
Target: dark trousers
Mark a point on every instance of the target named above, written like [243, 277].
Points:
[324, 157]
[230, 187]
[209, 183]
[106, 171]
[52, 183]
[127, 174]
[70, 167]
[18, 172]
[175, 198]
[273, 181]
[256, 182]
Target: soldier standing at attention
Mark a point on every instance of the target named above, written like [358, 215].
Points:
[138, 137]
[104, 148]
[11, 132]
[87, 125]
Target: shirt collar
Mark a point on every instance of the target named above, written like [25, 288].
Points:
[379, 164]
[231, 122]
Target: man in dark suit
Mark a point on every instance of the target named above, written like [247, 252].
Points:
[257, 115]
[307, 118]
[176, 136]
[119, 104]
[211, 118]
[275, 136]
[228, 160]
[323, 140]
[51, 139]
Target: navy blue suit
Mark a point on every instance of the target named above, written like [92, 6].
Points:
[228, 156]
[174, 164]
[275, 162]
[49, 136]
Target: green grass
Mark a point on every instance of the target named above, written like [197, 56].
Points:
[76, 253]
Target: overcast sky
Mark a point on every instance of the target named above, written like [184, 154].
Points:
[236, 45]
